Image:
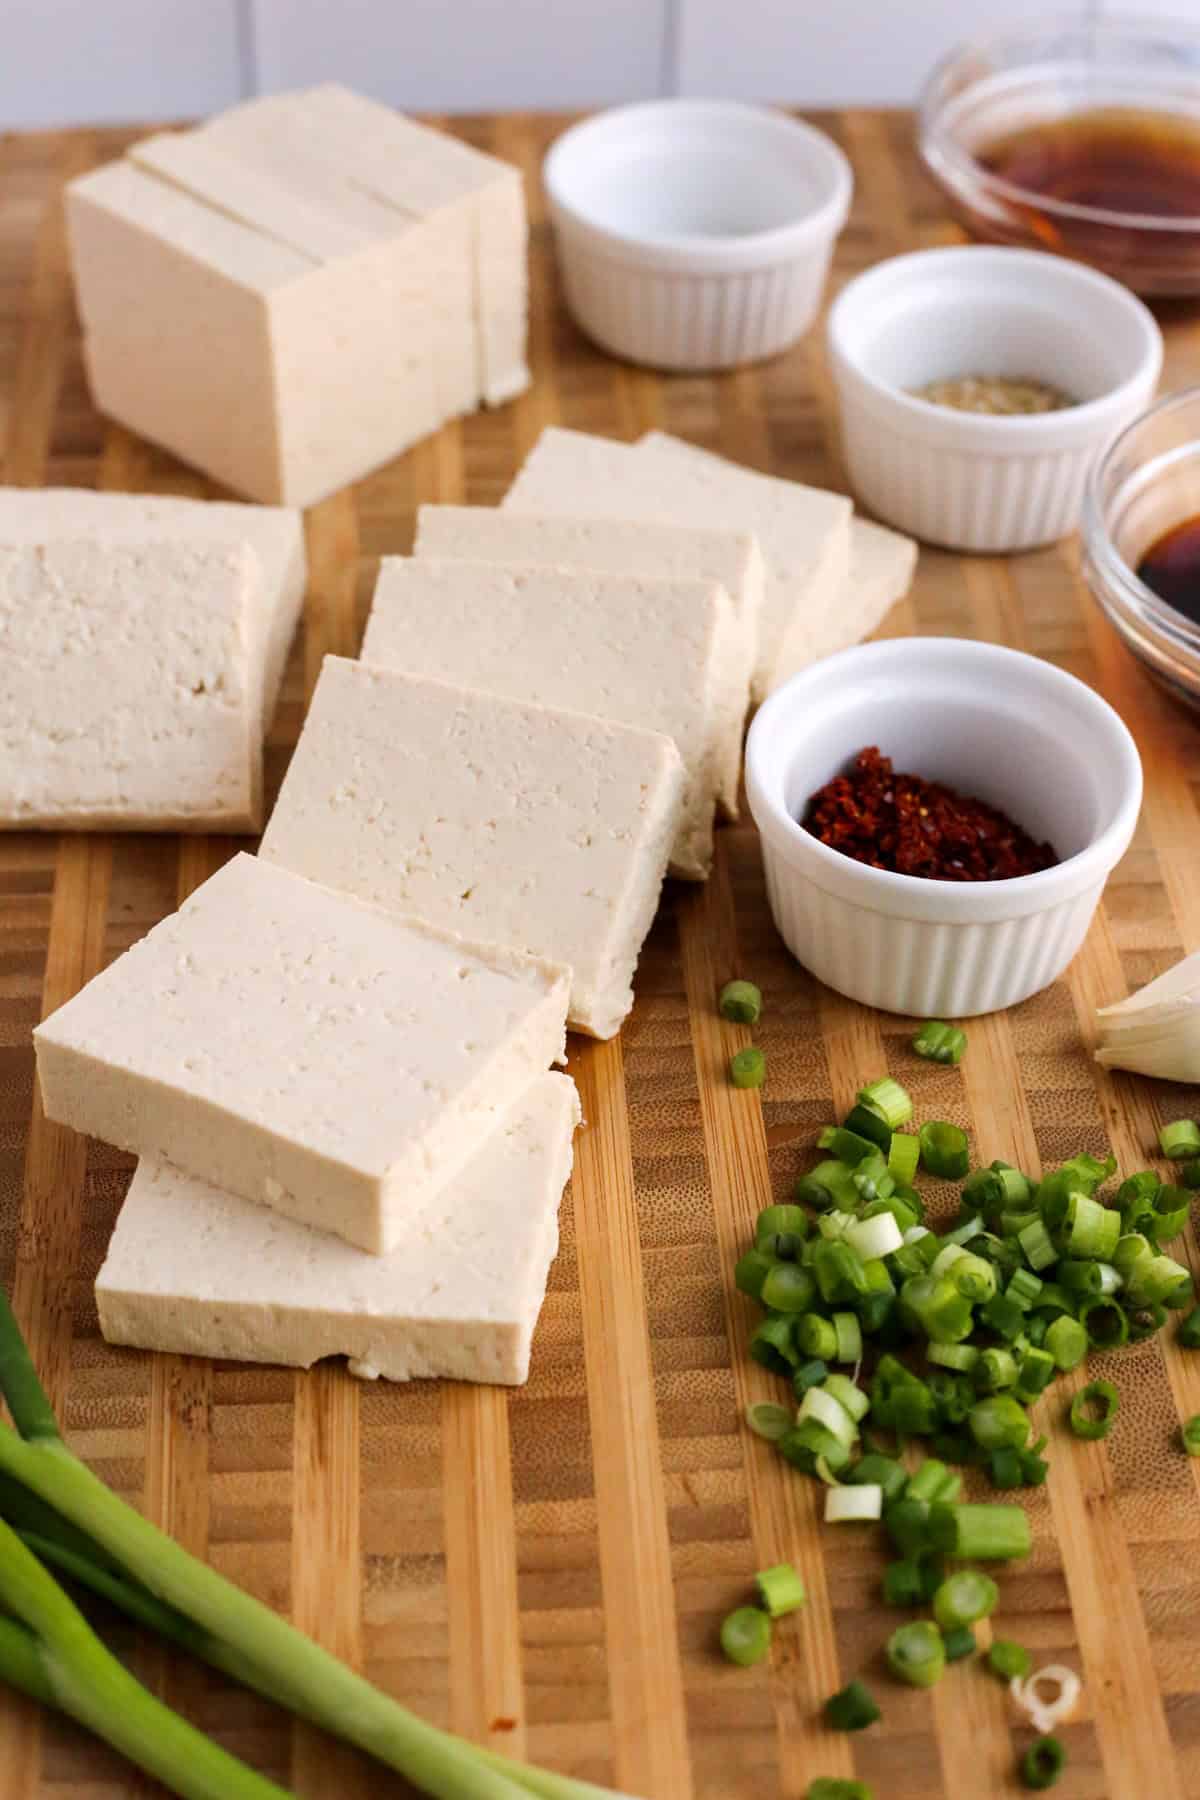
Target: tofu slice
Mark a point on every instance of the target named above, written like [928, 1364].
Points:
[275, 534]
[546, 832]
[804, 533]
[640, 652]
[308, 1052]
[130, 693]
[622, 547]
[879, 571]
[200, 1271]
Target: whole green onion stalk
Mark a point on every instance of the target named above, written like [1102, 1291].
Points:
[54, 1510]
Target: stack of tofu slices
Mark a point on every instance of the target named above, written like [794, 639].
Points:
[333, 1060]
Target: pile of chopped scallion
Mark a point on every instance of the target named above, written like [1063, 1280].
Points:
[889, 1332]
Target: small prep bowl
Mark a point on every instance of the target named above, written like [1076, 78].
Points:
[695, 234]
[985, 90]
[1147, 482]
[1006, 727]
[975, 481]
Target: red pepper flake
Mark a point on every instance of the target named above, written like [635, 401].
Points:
[918, 827]
[503, 1724]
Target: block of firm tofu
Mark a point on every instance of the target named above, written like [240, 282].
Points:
[308, 1052]
[622, 647]
[879, 571]
[621, 547]
[274, 533]
[279, 345]
[803, 532]
[199, 1271]
[544, 831]
[129, 693]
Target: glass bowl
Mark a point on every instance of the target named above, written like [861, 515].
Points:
[987, 89]
[1147, 481]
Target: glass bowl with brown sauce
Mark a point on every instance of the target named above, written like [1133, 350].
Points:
[1081, 139]
[1141, 540]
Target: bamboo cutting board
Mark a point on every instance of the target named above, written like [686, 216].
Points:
[546, 1569]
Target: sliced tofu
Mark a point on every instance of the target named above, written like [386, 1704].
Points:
[308, 1052]
[200, 1271]
[804, 533]
[622, 647]
[130, 686]
[547, 832]
[622, 547]
[275, 534]
[879, 571]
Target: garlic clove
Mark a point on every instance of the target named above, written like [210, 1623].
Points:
[1179, 983]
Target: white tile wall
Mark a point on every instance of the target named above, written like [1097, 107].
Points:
[75, 61]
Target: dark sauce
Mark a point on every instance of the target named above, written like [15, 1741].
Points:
[1171, 568]
[1119, 159]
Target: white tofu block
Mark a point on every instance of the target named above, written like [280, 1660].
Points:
[622, 647]
[411, 164]
[546, 832]
[278, 372]
[130, 686]
[621, 547]
[879, 568]
[803, 532]
[308, 1052]
[200, 1271]
[275, 534]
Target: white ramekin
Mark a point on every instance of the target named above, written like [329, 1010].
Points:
[969, 480]
[1005, 727]
[695, 234]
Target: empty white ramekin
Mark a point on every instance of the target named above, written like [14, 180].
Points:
[968, 480]
[993, 723]
[695, 234]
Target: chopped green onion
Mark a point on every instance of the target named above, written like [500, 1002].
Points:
[882, 1471]
[886, 1097]
[746, 1636]
[834, 1787]
[1034, 1240]
[1042, 1763]
[1036, 1328]
[1158, 1278]
[781, 1590]
[848, 1332]
[875, 1237]
[958, 1642]
[995, 1371]
[944, 1150]
[847, 1146]
[781, 1231]
[809, 1192]
[871, 1179]
[1105, 1322]
[825, 1410]
[1003, 1316]
[1144, 1321]
[935, 1304]
[788, 1288]
[904, 1153]
[838, 1270]
[907, 1523]
[838, 1182]
[767, 1419]
[810, 1374]
[963, 1598]
[1170, 1212]
[1023, 1289]
[851, 1398]
[930, 1481]
[1191, 1435]
[807, 1444]
[1094, 1409]
[954, 1395]
[867, 1123]
[973, 1276]
[1009, 1660]
[940, 1043]
[1087, 1173]
[1054, 1300]
[772, 1344]
[987, 1532]
[752, 1270]
[1034, 1468]
[1188, 1334]
[1035, 1374]
[1180, 1140]
[854, 1505]
[916, 1653]
[1142, 1186]
[1189, 1175]
[1092, 1229]
[851, 1708]
[914, 1410]
[1005, 1468]
[740, 1001]
[999, 1421]
[962, 1357]
[748, 1068]
[1066, 1340]
[964, 1231]
[817, 1337]
[902, 1583]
